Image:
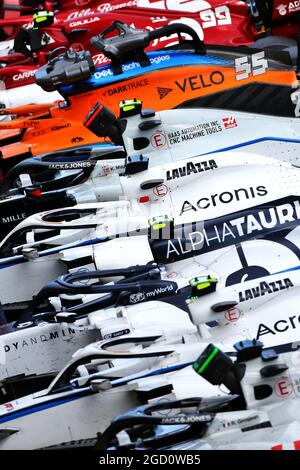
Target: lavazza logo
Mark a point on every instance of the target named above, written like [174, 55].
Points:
[264, 288]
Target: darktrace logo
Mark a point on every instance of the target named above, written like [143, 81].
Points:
[163, 92]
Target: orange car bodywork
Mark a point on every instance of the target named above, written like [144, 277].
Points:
[48, 129]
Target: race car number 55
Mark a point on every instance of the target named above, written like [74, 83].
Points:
[257, 64]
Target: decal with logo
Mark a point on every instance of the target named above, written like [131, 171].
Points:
[116, 334]
[23, 76]
[194, 132]
[164, 290]
[163, 92]
[284, 387]
[272, 221]
[230, 122]
[67, 333]
[198, 82]
[76, 140]
[288, 8]
[158, 140]
[279, 326]
[161, 190]
[226, 197]
[84, 22]
[127, 87]
[190, 168]
[136, 298]
[8, 407]
[265, 288]
[14, 218]
[233, 314]
[71, 165]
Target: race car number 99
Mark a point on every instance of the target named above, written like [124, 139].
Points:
[209, 19]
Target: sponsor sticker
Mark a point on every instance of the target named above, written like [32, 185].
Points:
[8, 407]
[265, 288]
[116, 334]
[280, 326]
[229, 122]
[190, 168]
[163, 92]
[127, 87]
[158, 140]
[283, 387]
[198, 82]
[161, 190]
[233, 314]
[196, 131]
[292, 7]
[23, 76]
[261, 221]
[226, 197]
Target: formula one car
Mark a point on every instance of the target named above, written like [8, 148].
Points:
[70, 313]
[225, 304]
[198, 428]
[233, 24]
[203, 81]
[30, 49]
[80, 175]
[196, 223]
[243, 19]
[32, 45]
[256, 381]
[269, 382]
[85, 405]
[68, 322]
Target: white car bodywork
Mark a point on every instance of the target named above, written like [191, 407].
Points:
[254, 198]
[26, 94]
